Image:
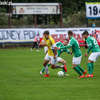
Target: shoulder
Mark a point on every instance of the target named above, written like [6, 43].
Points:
[51, 38]
[90, 38]
[59, 42]
[72, 39]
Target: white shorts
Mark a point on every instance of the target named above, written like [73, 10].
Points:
[93, 56]
[77, 60]
[58, 59]
[52, 60]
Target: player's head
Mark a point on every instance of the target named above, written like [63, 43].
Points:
[46, 34]
[85, 34]
[66, 41]
[70, 34]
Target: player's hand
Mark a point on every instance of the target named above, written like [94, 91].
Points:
[86, 54]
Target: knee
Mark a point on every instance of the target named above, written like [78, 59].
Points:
[53, 66]
[64, 62]
[44, 64]
[74, 65]
[89, 61]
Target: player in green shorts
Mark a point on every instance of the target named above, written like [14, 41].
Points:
[73, 43]
[58, 59]
[94, 48]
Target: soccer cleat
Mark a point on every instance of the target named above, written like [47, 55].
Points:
[46, 75]
[82, 76]
[89, 75]
[84, 73]
[65, 68]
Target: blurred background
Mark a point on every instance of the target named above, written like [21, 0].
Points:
[73, 15]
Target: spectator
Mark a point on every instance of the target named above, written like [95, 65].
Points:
[36, 42]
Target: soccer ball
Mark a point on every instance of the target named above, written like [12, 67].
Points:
[60, 73]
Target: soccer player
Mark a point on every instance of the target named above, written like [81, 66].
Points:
[59, 45]
[73, 43]
[51, 54]
[94, 47]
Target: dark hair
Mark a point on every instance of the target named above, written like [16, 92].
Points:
[70, 33]
[46, 32]
[85, 33]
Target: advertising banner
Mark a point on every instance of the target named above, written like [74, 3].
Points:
[36, 8]
[59, 34]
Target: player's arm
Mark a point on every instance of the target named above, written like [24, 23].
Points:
[69, 44]
[68, 51]
[42, 43]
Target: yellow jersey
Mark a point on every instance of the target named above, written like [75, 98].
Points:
[50, 42]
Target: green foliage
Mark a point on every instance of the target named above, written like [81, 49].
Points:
[73, 14]
[3, 20]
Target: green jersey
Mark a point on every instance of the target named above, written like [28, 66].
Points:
[62, 49]
[73, 43]
[92, 44]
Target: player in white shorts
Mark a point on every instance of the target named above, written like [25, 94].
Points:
[58, 58]
[94, 47]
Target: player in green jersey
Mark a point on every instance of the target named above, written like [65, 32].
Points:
[94, 48]
[73, 43]
[58, 59]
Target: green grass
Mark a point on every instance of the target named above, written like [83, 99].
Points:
[20, 79]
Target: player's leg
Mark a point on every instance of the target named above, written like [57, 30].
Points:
[76, 66]
[46, 68]
[90, 66]
[53, 63]
[62, 61]
[43, 69]
[46, 61]
[81, 69]
[33, 46]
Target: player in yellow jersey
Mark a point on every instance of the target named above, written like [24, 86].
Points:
[51, 54]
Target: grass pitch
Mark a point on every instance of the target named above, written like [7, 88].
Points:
[20, 78]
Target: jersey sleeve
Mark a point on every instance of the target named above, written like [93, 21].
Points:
[70, 44]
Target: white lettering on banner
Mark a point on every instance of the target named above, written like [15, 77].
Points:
[16, 35]
[59, 34]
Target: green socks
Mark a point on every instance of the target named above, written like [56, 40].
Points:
[77, 69]
[82, 70]
[43, 69]
[90, 68]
